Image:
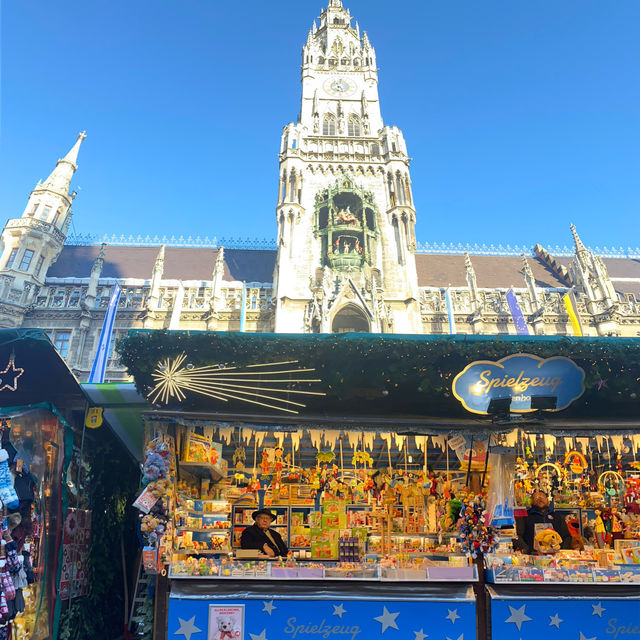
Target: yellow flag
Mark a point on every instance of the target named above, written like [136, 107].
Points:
[575, 322]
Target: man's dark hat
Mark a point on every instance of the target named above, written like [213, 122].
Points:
[265, 512]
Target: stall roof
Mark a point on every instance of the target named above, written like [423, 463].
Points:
[39, 374]
[390, 377]
[123, 407]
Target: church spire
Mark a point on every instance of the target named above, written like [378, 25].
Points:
[60, 178]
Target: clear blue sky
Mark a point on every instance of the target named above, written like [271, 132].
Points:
[521, 116]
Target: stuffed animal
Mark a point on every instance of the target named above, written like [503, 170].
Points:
[155, 467]
[548, 540]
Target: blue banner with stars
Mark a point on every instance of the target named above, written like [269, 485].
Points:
[565, 618]
[290, 619]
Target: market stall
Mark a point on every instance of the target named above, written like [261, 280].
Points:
[38, 395]
[391, 468]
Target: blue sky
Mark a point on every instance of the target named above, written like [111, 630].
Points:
[520, 117]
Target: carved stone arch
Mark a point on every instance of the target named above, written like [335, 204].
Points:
[350, 317]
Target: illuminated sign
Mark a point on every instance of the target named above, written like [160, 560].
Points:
[520, 377]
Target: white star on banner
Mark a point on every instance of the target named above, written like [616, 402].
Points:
[387, 619]
[187, 628]
[555, 621]
[452, 615]
[339, 611]
[518, 616]
[598, 609]
[262, 636]
[268, 607]
[420, 635]
[460, 637]
[582, 637]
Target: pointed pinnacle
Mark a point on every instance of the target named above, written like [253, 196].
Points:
[576, 239]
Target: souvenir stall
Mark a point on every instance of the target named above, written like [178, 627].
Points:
[38, 395]
[391, 468]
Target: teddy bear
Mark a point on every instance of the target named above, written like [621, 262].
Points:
[155, 467]
[225, 628]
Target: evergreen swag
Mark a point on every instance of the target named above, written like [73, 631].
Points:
[389, 375]
[115, 480]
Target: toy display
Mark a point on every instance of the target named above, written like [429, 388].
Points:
[354, 513]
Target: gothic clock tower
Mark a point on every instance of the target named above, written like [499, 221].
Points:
[345, 211]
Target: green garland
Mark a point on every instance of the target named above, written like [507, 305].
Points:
[115, 480]
[392, 375]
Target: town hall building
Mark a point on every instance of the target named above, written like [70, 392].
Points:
[345, 258]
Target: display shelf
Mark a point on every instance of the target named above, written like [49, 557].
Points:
[193, 552]
[203, 530]
[203, 470]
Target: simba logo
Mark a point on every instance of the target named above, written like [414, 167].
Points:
[521, 377]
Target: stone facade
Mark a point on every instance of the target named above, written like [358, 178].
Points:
[346, 256]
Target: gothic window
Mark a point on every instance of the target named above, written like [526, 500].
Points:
[61, 340]
[329, 126]
[332, 62]
[74, 298]
[39, 266]
[12, 258]
[45, 212]
[33, 211]
[353, 128]
[25, 263]
[356, 62]
[320, 60]
[375, 150]
[58, 298]
[393, 146]
[401, 194]
[396, 233]
[323, 218]
[344, 61]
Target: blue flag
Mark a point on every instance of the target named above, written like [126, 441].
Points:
[452, 320]
[102, 354]
[516, 313]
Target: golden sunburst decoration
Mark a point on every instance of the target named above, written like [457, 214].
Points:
[254, 383]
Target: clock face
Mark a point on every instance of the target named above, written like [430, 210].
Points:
[340, 87]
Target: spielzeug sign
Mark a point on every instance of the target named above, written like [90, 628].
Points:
[520, 377]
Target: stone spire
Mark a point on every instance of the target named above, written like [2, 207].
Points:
[60, 178]
[96, 270]
[156, 276]
[580, 248]
[472, 283]
[530, 280]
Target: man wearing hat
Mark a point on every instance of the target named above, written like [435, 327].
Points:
[260, 536]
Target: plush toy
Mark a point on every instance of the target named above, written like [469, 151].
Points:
[548, 540]
[8, 494]
[155, 467]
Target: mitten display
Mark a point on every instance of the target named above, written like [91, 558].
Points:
[26, 565]
[7, 585]
[13, 562]
[8, 494]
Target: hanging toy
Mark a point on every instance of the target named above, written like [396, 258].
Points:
[8, 494]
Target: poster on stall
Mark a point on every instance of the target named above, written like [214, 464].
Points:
[226, 622]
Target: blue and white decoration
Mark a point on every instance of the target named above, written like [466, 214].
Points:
[279, 619]
[565, 619]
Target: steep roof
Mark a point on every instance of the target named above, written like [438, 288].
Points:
[180, 263]
[443, 270]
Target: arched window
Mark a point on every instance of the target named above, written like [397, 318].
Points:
[401, 194]
[329, 126]
[353, 127]
[396, 233]
[375, 150]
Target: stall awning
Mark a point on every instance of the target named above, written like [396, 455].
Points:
[391, 377]
[123, 407]
[32, 372]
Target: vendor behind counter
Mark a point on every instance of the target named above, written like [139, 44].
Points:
[261, 537]
[539, 516]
